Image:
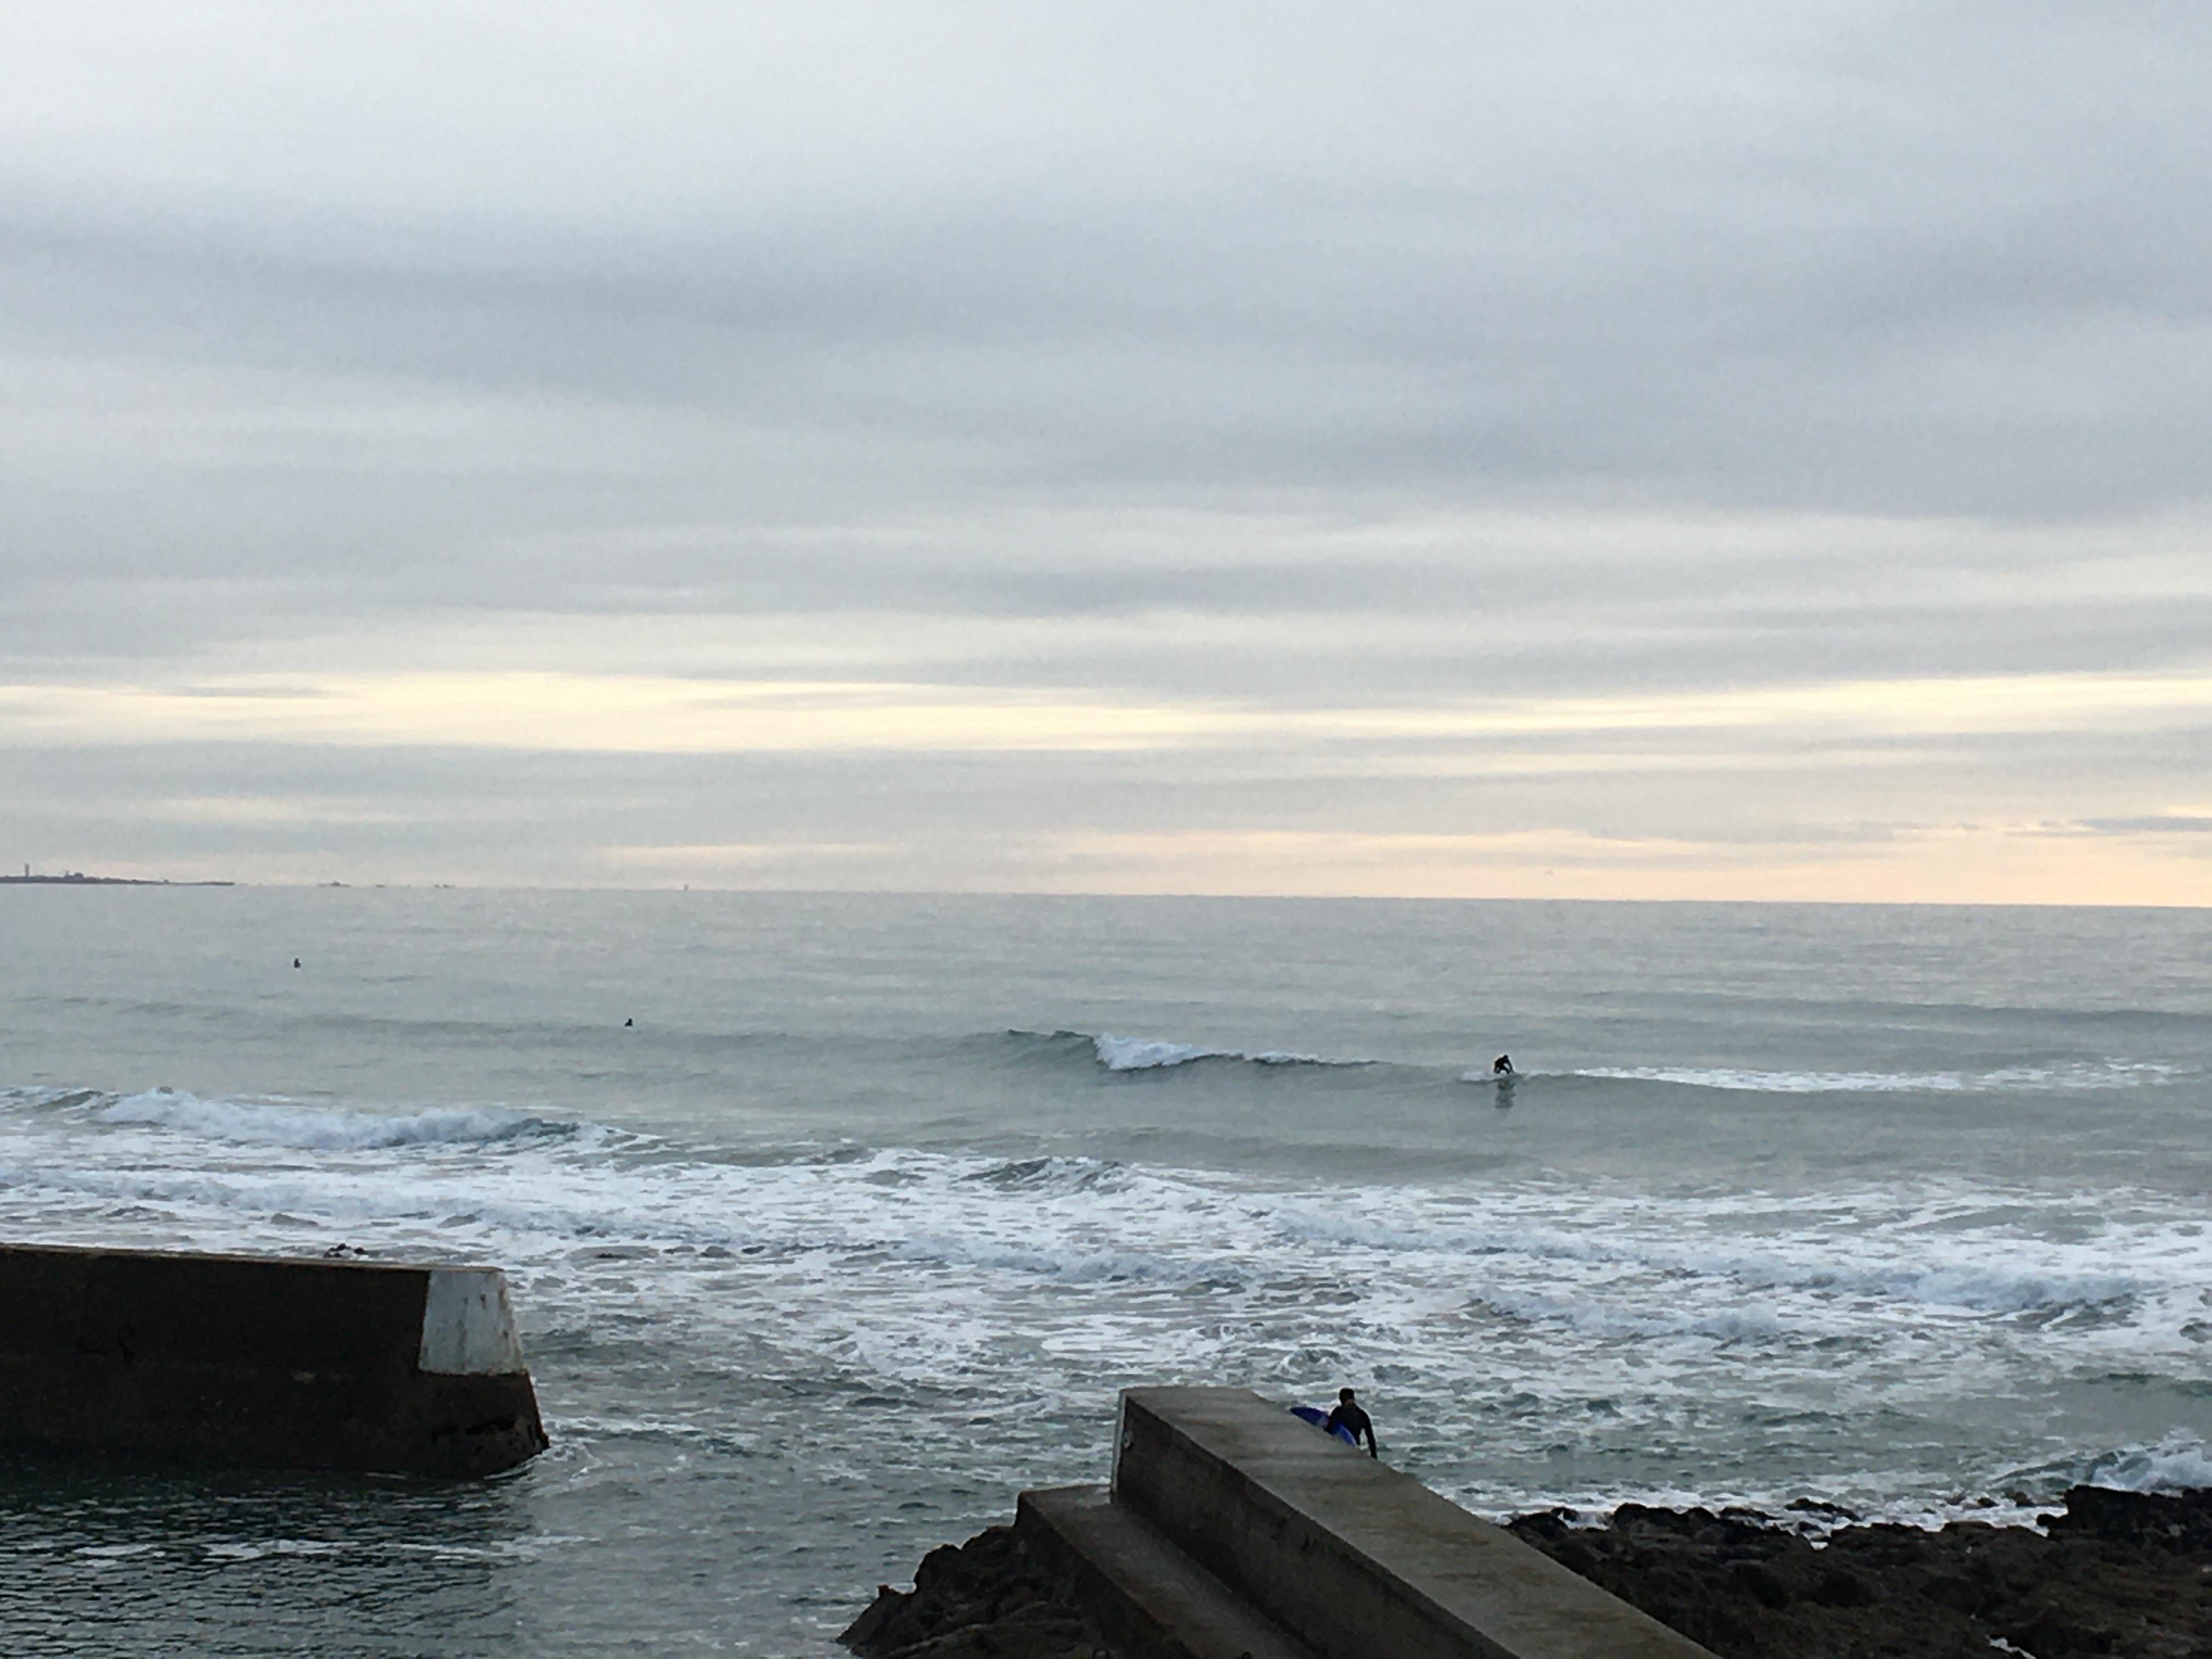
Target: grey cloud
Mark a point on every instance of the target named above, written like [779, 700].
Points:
[1142, 351]
[1924, 266]
[1326, 365]
[1312, 630]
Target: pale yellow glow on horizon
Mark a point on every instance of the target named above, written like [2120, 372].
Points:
[1889, 857]
[612, 713]
[649, 714]
[1967, 864]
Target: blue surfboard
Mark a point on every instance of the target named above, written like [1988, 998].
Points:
[1319, 1418]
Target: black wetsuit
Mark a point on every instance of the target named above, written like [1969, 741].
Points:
[1349, 1416]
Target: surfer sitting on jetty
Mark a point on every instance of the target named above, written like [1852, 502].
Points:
[1353, 1421]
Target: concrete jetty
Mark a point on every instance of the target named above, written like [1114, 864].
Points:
[1233, 1528]
[273, 1362]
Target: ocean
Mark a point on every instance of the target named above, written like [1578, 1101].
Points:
[858, 1227]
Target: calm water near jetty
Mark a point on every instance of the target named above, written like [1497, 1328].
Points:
[859, 1226]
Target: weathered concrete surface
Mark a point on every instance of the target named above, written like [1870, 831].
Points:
[1149, 1598]
[315, 1364]
[1355, 1559]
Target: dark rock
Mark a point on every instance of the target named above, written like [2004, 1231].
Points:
[2119, 1574]
[1839, 1589]
[988, 1597]
[1815, 1506]
[1749, 1578]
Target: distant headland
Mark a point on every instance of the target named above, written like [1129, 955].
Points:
[78, 879]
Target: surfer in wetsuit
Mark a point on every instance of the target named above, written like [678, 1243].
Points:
[1355, 1422]
[1503, 1065]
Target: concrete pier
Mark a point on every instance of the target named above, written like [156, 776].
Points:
[264, 1361]
[1232, 1527]
[1151, 1600]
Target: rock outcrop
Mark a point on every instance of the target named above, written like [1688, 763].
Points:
[2117, 1576]
[986, 1599]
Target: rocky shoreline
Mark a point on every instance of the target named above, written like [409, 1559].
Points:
[989, 1598]
[2117, 1575]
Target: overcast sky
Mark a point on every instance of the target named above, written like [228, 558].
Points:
[1590, 450]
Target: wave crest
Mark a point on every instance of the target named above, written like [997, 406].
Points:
[2174, 1464]
[2111, 1074]
[2179, 1462]
[286, 1123]
[1129, 1054]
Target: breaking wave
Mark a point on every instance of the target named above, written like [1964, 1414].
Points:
[287, 1123]
[1117, 1052]
[2179, 1462]
[1130, 1054]
[2111, 1074]
[1975, 1287]
[2174, 1464]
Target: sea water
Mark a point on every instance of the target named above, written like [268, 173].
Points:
[833, 1222]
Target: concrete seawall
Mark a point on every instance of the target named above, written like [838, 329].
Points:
[264, 1361]
[1231, 1527]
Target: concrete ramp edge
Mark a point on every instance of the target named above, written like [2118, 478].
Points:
[1349, 1557]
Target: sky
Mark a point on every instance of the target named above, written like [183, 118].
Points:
[1580, 450]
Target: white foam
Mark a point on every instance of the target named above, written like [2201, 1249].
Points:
[1725, 1325]
[1633, 1238]
[287, 1123]
[2174, 1464]
[2108, 1074]
[1621, 1314]
[1127, 1053]
[1122, 1054]
[1780, 1082]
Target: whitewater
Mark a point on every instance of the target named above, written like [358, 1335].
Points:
[855, 1228]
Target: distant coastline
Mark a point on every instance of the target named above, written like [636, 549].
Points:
[78, 879]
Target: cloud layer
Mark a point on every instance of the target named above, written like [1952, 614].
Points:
[1433, 449]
